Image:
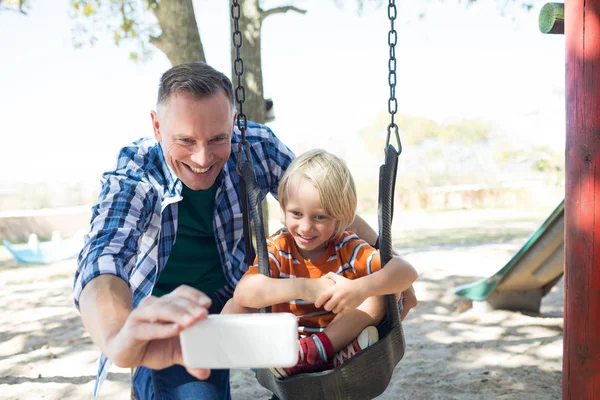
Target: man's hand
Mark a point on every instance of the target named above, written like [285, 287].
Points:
[343, 297]
[409, 300]
[147, 335]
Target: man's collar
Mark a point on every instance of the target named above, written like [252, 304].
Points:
[173, 184]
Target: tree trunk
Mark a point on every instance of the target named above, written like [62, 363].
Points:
[180, 37]
[250, 25]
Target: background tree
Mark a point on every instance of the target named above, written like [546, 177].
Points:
[251, 20]
[460, 152]
[170, 26]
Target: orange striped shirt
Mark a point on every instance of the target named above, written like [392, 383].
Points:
[349, 257]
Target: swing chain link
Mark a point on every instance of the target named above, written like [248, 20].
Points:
[392, 102]
[240, 91]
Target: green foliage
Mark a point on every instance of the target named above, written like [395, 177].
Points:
[465, 153]
[505, 7]
[18, 5]
[126, 22]
[539, 158]
[417, 130]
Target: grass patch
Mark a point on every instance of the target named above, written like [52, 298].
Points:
[465, 227]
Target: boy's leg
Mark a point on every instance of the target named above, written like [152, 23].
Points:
[175, 383]
[355, 331]
[345, 328]
[310, 357]
[345, 336]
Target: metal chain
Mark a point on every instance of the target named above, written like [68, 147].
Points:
[240, 91]
[392, 102]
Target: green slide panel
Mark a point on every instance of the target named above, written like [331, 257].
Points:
[529, 275]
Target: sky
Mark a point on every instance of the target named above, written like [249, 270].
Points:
[65, 112]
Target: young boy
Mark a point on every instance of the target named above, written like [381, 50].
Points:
[315, 265]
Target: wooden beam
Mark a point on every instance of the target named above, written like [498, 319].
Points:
[552, 18]
[581, 344]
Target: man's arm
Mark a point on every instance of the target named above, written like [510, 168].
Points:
[363, 230]
[148, 335]
[104, 305]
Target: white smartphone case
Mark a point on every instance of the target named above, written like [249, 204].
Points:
[241, 341]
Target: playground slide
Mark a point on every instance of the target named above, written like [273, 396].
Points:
[529, 275]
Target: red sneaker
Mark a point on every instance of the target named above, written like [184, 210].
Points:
[367, 337]
[308, 360]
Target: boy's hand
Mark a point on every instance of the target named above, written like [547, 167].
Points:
[314, 288]
[343, 297]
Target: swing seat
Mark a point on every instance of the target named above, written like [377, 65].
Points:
[364, 376]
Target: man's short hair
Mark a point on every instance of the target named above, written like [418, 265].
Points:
[196, 78]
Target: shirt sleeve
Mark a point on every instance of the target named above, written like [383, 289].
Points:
[273, 263]
[125, 206]
[272, 158]
[280, 159]
[362, 257]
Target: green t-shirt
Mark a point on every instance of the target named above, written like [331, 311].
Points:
[194, 259]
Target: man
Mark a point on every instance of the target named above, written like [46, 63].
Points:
[165, 246]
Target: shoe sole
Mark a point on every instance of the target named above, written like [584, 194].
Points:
[367, 337]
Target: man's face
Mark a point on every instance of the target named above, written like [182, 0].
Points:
[195, 135]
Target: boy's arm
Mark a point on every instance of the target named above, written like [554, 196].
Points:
[368, 234]
[231, 307]
[256, 290]
[397, 276]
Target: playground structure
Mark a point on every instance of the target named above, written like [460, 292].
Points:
[529, 275]
[581, 356]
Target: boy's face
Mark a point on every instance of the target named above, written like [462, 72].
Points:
[306, 219]
[195, 135]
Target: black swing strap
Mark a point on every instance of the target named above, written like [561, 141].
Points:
[246, 216]
[385, 213]
[387, 172]
[242, 123]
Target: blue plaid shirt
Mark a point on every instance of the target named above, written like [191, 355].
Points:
[134, 224]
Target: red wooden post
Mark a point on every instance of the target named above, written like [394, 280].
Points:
[581, 357]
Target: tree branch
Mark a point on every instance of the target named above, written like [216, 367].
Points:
[20, 9]
[156, 41]
[151, 4]
[278, 10]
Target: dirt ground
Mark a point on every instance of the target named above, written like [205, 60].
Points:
[45, 353]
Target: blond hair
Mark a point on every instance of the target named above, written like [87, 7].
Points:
[333, 180]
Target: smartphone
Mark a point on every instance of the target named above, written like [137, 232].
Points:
[241, 341]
